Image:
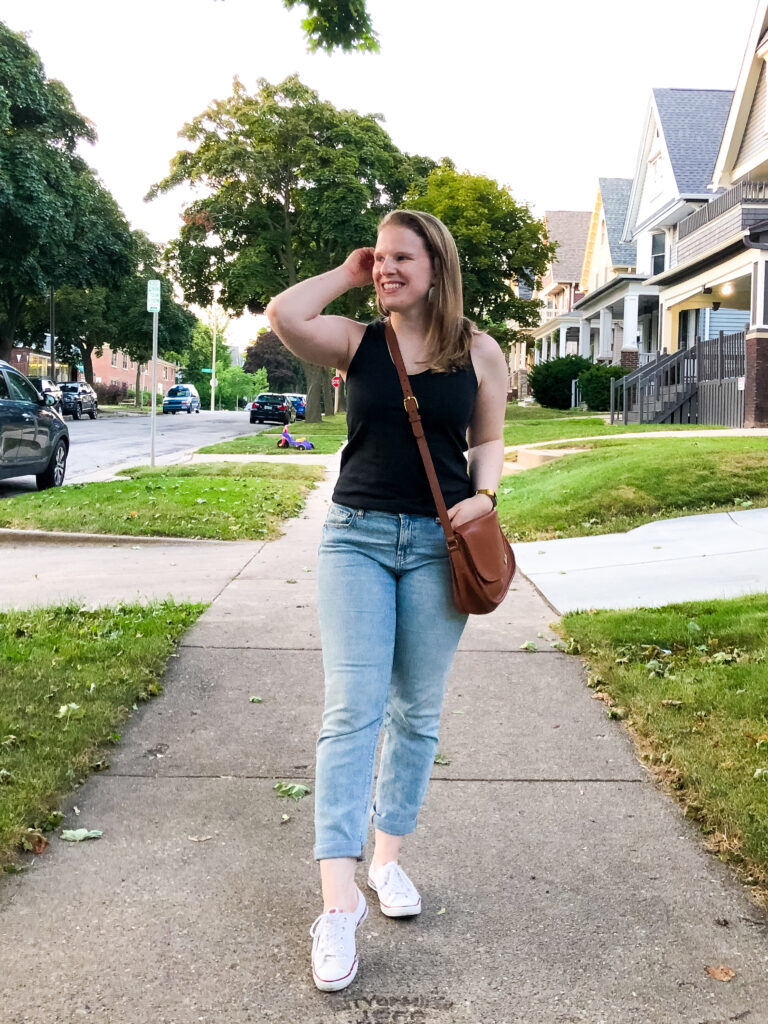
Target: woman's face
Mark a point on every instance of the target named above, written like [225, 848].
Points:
[402, 269]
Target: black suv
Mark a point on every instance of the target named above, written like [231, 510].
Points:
[33, 437]
[46, 386]
[78, 397]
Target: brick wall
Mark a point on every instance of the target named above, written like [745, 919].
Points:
[756, 382]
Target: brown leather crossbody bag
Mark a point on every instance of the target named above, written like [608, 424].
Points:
[482, 562]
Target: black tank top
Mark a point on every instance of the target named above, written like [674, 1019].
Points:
[381, 467]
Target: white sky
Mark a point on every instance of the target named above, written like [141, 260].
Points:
[545, 96]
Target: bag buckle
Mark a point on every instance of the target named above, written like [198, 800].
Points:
[407, 399]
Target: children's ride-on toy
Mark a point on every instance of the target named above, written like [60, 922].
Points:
[286, 441]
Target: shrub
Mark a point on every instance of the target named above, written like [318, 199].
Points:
[110, 394]
[595, 385]
[550, 382]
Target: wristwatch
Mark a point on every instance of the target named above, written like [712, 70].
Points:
[491, 494]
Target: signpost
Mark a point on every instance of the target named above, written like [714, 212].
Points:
[153, 307]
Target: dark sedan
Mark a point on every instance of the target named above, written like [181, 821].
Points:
[272, 407]
[34, 439]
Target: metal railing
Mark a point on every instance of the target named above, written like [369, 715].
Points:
[746, 191]
[668, 386]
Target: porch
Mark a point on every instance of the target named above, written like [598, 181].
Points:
[620, 322]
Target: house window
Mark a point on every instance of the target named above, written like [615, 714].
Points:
[125, 361]
[114, 358]
[658, 246]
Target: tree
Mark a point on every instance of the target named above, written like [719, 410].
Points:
[281, 367]
[345, 24]
[290, 185]
[58, 224]
[498, 239]
[236, 385]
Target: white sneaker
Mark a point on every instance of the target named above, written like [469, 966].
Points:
[397, 893]
[334, 957]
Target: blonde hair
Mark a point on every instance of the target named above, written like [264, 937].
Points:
[449, 332]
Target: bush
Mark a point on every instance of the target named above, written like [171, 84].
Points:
[110, 394]
[595, 385]
[550, 382]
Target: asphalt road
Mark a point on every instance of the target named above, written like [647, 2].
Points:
[98, 447]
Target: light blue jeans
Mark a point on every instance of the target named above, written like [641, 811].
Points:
[389, 633]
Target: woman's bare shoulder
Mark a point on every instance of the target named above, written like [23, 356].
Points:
[487, 356]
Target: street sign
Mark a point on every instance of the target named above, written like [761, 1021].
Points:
[335, 381]
[205, 369]
[153, 296]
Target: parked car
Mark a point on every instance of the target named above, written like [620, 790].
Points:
[34, 439]
[272, 407]
[78, 397]
[299, 402]
[181, 398]
[46, 386]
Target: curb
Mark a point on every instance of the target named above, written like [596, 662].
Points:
[112, 539]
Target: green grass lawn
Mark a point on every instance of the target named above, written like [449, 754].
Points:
[220, 501]
[69, 676]
[622, 483]
[539, 430]
[526, 413]
[691, 683]
[265, 443]
[330, 425]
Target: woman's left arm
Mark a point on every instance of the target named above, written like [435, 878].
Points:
[486, 430]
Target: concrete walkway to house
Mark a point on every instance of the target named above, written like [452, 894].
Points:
[559, 884]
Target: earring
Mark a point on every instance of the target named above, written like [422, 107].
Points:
[430, 293]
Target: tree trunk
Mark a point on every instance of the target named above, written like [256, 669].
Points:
[314, 391]
[137, 397]
[86, 351]
[8, 324]
[328, 396]
[341, 396]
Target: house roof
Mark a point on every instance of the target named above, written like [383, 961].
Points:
[693, 121]
[615, 194]
[569, 228]
[742, 99]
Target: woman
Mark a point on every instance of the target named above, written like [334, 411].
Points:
[389, 628]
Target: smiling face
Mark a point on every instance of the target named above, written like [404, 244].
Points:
[402, 268]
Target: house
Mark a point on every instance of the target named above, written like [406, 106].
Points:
[715, 279]
[619, 312]
[114, 367]
[558, 332]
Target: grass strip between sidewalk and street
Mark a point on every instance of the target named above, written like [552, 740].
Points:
[216, 501]
[542, 430]
[690, 682]
[327, 437]
[620, 484]
[69, 676]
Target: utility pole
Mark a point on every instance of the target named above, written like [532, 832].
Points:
[153, 307]
[214, 382]
[52, 309]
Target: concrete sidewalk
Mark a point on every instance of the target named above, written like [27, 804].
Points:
[559, 885]
[692, 558]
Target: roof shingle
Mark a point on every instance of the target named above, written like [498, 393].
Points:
[569, 228]
[615, 194]
[693, 121]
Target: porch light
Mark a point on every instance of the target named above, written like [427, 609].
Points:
[727, 288]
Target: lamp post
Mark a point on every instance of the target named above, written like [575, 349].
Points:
[52, 310]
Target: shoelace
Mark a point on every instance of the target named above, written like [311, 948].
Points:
[396, 880]
[331, 938]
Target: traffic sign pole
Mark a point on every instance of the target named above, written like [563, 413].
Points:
[153, 307]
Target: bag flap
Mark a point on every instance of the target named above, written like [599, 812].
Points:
[485, 546]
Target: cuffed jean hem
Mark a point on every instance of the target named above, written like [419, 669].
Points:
[393, 826]
[334, 852]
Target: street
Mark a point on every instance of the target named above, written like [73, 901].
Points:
[98, 447]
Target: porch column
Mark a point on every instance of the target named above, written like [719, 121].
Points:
[584, 338]
[563, 340]
[629, 354]
[606, 334]
[756, 370]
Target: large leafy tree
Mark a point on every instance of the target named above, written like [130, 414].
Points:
[499, 242]
[342, 24]
[290, 185]
[283, 370]
[58, 224]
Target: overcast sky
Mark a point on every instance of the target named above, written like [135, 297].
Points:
[545, 97]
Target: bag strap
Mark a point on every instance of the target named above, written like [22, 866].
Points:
[412, 409]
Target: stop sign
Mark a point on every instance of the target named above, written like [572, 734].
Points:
[335, 381]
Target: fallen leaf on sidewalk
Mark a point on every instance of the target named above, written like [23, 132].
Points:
[529, 645]
[284, 818]
[290, 581]
[442, 759]
[441, 911]
[256, 700]
[199, 839]
[77, 835]
[721, 973]
[294, 790]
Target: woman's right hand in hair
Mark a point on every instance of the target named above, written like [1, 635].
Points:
[359, 266]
